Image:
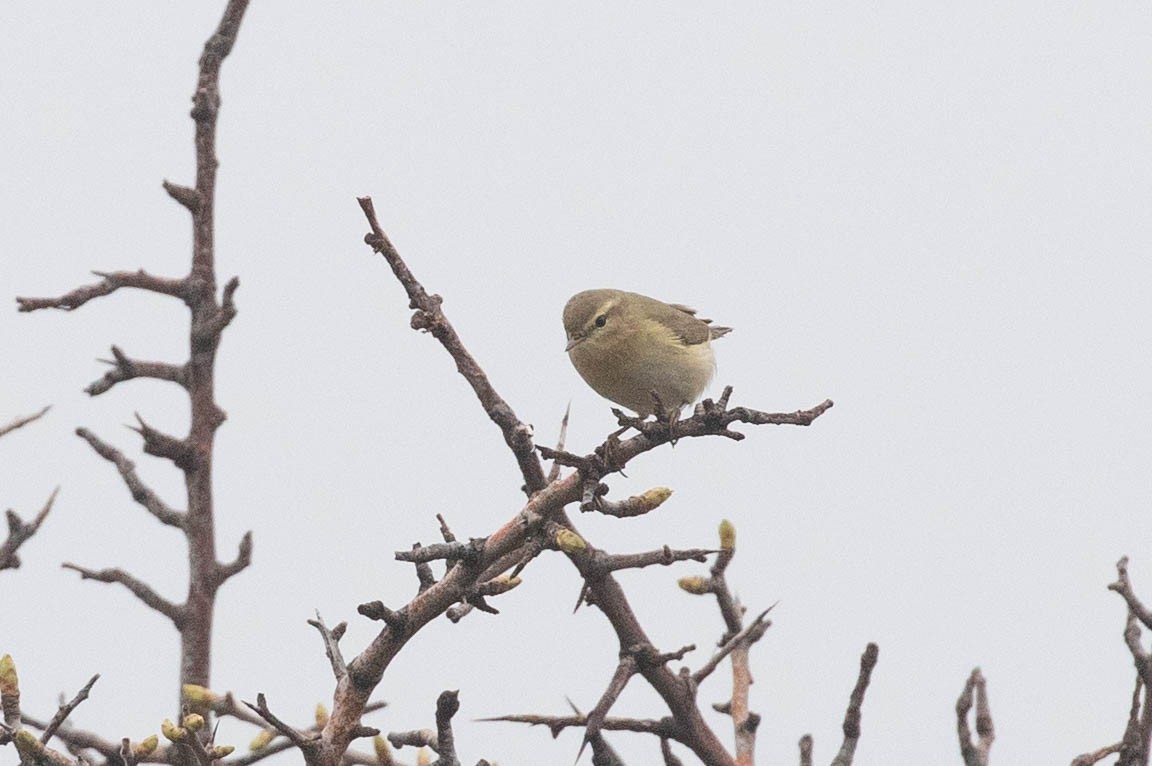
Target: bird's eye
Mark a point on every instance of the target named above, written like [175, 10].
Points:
[601, 320]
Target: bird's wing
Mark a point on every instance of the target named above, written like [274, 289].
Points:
[692, 329]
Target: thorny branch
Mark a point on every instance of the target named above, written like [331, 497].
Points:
[519, 540]
[430, 317]
[193, 454]
[663, 728]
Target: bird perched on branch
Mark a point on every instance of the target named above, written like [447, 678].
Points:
[638, 351]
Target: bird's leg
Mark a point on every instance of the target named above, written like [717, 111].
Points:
[669, 416]
[673, 419]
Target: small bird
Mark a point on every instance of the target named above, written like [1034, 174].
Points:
[628, 347]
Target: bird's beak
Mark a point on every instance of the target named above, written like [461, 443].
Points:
[572, 343]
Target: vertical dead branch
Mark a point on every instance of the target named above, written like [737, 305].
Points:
[192, 454]
[209, 319]
[975, 753]
[855, 704]
[1134, 748]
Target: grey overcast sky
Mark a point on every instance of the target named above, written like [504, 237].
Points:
[938, 215]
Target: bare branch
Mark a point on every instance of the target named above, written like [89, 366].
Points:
[222, 705]
[447, 704]
[332, 644]
[975, 753]
[160, 444]
[603, 753]
[375, 610]
[663, 557]
[66, 710]
[709, 420]
[452, 551]
[749, 635]
[79, 739]
[305, 743]
[111, 282]
[625, 669]
[125, 368]
[663, 728]
[728, 608]
[806, 750]
[1123, 586]
[255, 756]
[712, 418]
[185, 195]
[240, 563]
[855, 703]
[512, 544]
[21, 422]
[209, 332]
[445, 530]
[174, 612]
[20, 531]
[141, 493]
[430, 317]
[1088, 759]
[414, 738]
[736, 642]
[1134, 745]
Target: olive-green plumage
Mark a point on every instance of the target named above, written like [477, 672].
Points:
[627, 346]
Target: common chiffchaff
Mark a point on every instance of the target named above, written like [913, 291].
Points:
[628, 347]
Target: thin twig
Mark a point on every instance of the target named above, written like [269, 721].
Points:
[141, 492]
[66, 710]
[662, 557]
[750, 634]
[110, 283]
[1088, 759]
[625, 669]
[429, 316]
[295, 737]
[174, 612]
[557, 723]
[332, 644]
[21, 422]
